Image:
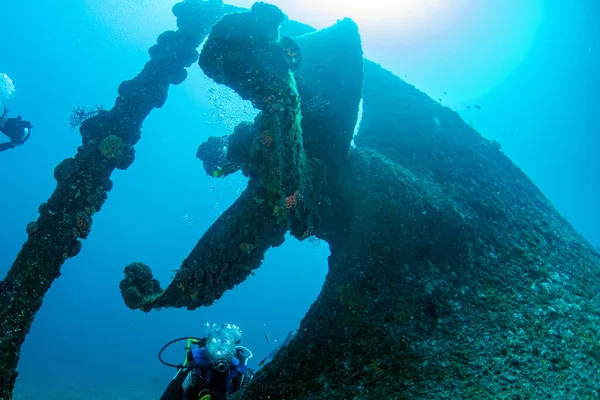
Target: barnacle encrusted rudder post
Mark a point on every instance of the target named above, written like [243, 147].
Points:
[244, 52]
[84, 180]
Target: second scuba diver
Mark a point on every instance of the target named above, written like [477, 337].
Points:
[17, 130]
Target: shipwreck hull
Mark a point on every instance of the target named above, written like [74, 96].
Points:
[451, 275]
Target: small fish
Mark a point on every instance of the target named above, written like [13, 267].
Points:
[213, 188]
[406, 76]
[476, 106]
[440, 100]
[272, 354]
[445, 92]
[266, 337]
[263, 361]
[469, 107]
[130, 328]
[154, 379]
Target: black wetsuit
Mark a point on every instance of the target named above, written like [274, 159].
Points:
[217, 386]
[14, 128]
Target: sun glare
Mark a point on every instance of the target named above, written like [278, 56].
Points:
[414, 18]
[461, 46]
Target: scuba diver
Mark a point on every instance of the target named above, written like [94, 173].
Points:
[17, 130]
[214, 368]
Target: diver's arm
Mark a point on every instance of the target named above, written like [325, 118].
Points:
[181, 382]
[236, 383]
[176, 387]
[6, 146]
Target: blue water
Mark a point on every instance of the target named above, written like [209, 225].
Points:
[84, 340]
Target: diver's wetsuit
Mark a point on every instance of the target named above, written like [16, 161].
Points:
[217, 386]
[17, 130]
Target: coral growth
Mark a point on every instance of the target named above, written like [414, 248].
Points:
[32, 228]
[97, 199]
[247, 248]
[112, 147]
[64, 169]
[138, 285]
[84, 224]
[292, 200]
[80, 114]
[75, 249]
